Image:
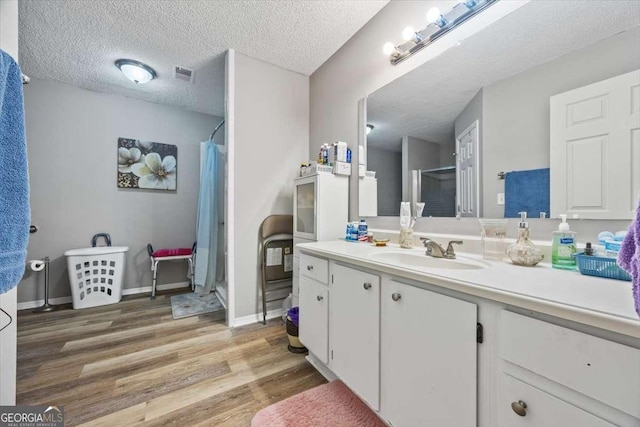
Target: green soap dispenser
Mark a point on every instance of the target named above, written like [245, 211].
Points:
[563, 247]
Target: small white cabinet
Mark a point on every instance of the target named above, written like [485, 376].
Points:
[314, 318]
[355, 331]
[428, 358]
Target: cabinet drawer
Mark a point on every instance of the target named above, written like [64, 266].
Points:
[601, 369]
[542, 409]
[314, 268]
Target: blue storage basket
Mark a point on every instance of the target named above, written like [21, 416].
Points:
[601, 267]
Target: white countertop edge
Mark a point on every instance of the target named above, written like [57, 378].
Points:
[594, 318]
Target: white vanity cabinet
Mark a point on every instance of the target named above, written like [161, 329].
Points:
[428, 357]
[427, 349]
[355, 331]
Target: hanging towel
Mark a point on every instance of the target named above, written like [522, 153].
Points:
[14, 176]
[629, 257]
[207, 225]
[526, 191]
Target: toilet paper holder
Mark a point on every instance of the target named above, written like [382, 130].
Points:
[46, 307]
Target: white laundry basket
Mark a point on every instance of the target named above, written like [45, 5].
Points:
[95, 275]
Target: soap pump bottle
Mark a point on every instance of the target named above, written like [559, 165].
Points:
[523, 251]
[563, 247]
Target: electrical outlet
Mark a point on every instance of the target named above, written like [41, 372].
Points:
[501, 198]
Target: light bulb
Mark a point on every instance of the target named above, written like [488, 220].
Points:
[388, 48]
[408, 33]
[432, 15]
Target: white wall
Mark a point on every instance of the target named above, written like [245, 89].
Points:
[72, 136]
[417, 154]
[360, 68]
[271, 138]
[8, 300]
[388, 167]
[516, 110]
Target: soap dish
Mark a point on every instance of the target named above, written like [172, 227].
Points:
[380, 242]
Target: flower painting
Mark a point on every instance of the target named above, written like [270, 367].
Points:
[147, 165]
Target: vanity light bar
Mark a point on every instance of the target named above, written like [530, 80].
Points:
[440, 24]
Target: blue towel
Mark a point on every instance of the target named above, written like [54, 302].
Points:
[527, 191]
[14, 176]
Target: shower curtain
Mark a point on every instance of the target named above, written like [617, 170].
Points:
[207, 229]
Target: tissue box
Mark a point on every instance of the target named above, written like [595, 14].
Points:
[340, 151]
[342, 168]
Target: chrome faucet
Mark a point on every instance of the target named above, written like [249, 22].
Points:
[437, 251]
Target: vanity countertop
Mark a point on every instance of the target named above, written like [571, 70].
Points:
[599, 302]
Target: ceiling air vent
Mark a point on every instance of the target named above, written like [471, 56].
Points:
[183, 74]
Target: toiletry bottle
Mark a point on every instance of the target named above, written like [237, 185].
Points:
[563, 246]
[363, 230]
[523, 251]
[588, 249]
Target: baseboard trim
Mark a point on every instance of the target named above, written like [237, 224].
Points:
[255, 318]
[321, 367]
[131, 291]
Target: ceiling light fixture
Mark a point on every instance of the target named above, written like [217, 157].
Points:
[369, 129]
[438, 24]
[136, 71]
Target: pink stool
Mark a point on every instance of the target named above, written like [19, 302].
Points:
[170, 255]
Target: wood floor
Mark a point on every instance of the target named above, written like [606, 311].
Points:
[131, 364]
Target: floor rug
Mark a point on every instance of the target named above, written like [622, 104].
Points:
[331, 404]
[193, 304]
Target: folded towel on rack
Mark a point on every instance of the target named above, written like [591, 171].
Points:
[14, 176]
[526, 191]
[629, 257]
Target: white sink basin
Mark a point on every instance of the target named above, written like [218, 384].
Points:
[420, 260]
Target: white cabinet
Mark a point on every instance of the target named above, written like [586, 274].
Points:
[368, 196]
[355, 331]
[595, 149]
[314, 318]
[520, 404]
[599, 370]
[320, 207]
[428, 358]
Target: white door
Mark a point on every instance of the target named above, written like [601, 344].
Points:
[314, 318]
[595, 149]
[355, 331]
[467, 172]
[428, 358]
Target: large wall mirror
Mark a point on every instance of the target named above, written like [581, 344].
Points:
[549, 94]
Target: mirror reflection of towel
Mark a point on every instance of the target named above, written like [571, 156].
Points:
[527, 191]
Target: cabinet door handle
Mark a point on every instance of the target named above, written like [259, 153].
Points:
[319, 297]
[519, 408]
[367, 286]
[396, 296]
[309, 267]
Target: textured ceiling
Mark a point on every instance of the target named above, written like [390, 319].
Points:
[77, 42]
[425, 102]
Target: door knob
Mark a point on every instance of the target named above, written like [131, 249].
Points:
[367, 286]
[319, 297]
[519, 408]
[396, 296]
[309, 267]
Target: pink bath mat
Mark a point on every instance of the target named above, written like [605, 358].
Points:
[328, 405]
